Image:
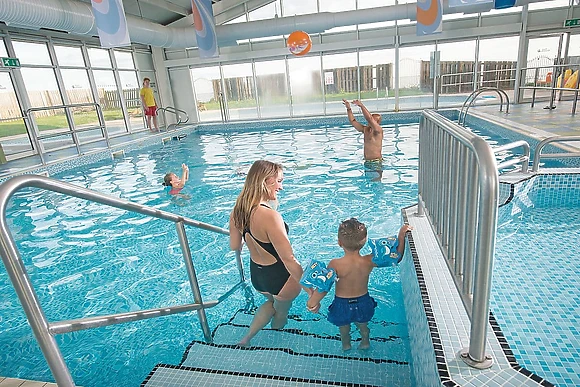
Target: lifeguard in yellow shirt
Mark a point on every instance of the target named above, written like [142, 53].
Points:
[149, 105]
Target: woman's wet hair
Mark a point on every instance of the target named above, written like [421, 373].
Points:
[352, 234]
[255, 190]
[167, 179]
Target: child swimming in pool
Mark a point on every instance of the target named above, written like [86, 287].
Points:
[352, 302]
[176, 184]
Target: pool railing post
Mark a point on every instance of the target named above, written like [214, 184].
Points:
[240, 265]
[193, 280]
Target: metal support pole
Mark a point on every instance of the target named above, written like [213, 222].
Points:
[462, 211]
[535, 85]
[193, 280]
[240, 265]
[471, 224]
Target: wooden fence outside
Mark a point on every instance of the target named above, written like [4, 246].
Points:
[108, 99]
[500, 74]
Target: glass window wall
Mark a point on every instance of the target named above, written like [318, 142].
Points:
[340, 80]
[457, 72]
[78, 91]
[272, 88]
[69, 56]
[110, 102]
[131, 88]
[13, 135]
[31, 53]
[3, 51]
[376, 73]
[240, 91]
[99, 57]
[298, 7]
[497, 64]
[415, 83]
[207, 88]
[124, 59]
[305, 85]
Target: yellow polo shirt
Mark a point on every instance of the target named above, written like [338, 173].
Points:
[147, 94]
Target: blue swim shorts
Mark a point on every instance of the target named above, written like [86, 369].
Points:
[344, 311]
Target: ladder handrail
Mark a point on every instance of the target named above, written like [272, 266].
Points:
[475, 93]
[176, 111]
[44, 330]
[525, 159]
[538, 152]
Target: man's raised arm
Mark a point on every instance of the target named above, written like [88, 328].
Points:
[367, 115]
[357, 125]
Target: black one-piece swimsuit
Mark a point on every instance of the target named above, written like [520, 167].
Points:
[268, 278]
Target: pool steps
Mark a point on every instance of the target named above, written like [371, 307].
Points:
[298, 355]
[11, 382]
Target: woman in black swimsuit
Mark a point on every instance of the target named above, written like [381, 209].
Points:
[274, 271]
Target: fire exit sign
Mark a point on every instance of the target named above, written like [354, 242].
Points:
[10, 62]
[572, 23]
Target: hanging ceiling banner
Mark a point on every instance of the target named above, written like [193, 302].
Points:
[462, 3]
[204, 24]
[111, 23]
[429, 17]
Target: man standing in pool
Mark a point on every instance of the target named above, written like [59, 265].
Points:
[373, 137]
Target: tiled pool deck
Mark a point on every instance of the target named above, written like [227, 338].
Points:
[536, 121]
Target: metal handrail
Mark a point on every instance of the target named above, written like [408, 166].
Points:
[458, 192]
[553, 84]
[176, 111]
[475, 93]
[45, 330]
[524, 159]
[538, 152]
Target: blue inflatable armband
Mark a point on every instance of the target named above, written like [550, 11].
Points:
[318, 276]
[384, 251]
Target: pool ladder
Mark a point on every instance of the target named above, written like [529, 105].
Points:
[44, 330]
[472, 97]
[181, 115]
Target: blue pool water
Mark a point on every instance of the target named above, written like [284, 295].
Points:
[86, 259]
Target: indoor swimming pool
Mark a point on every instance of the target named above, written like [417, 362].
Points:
[87, 259]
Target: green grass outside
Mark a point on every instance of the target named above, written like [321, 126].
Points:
[12, 128]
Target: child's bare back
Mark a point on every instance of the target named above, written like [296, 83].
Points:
[352, 271]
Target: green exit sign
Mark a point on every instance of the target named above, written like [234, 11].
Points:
[572, 23]
[10, 62]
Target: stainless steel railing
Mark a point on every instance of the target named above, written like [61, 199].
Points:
[538, 152]
[470, 100]
[523, 159]
[73, 133]
[45, 330]
[458, 192]
[558, 71]
[181, 115]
